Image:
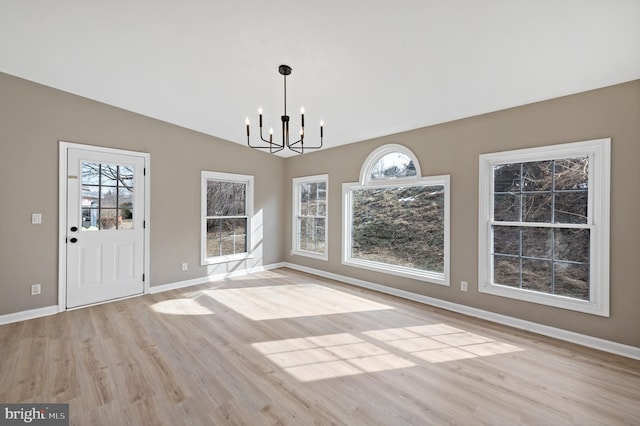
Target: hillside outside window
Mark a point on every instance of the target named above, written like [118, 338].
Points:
[396, 221]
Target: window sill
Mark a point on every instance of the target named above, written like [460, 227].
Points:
[544, 299]
[430, 277]
[310, 254]
[225, 259]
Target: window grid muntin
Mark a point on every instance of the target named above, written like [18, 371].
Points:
[118, 184]
[297, 244]
[552, 259]
[230, 217]
[553, 225]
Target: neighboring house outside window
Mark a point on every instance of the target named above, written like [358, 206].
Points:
[396, 221]
[227, 208]
[310, 206]
[544, 225]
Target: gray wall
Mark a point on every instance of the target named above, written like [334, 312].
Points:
[453, 148]
[34, 118]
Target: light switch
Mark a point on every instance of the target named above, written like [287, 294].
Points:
[36, 218]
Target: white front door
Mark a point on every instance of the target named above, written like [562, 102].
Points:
[104, 227]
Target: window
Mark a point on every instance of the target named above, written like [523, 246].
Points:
[396, 221]
[543, 225]
[309, 232]
[227, 204]
[107, 196]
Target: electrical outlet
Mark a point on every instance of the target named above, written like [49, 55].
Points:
[185, 266]
[464, 286]
[36, 218]
[35, 289]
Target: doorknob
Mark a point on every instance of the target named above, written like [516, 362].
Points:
[74, 229]
[73, 240]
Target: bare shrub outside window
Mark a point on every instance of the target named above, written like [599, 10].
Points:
[552, 260]
[400, 226]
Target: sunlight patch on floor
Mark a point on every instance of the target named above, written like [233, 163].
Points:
[324, 357]
[291, 301]
[181, 307]
[440, 342]
[345, 354]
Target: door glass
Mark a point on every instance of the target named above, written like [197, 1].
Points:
[107, 196]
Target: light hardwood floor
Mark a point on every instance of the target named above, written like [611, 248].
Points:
[282, 347]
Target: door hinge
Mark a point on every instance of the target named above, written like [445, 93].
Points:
[144, 171]
[142, 277]
[144, 224]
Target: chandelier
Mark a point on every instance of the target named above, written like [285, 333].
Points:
[273, 147]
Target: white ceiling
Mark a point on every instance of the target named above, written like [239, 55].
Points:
[368, 68]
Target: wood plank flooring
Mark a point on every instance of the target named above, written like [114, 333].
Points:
[287, 348]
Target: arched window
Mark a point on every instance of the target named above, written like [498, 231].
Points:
[396, 221]
[389, 162]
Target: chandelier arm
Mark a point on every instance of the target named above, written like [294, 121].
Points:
[270, 148]
[297, 146]
[270, 142]
[301, 141]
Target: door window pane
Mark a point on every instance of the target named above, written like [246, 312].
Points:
[108, 174]
[108, 219]
[107, 196]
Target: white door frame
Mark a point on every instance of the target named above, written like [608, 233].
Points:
[62, 214]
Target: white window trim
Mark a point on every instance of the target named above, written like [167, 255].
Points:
[227, 177]
[599, 153]
[402, 271]
[295, 242]
[380, 152]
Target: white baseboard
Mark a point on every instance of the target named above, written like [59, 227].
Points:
[211, 278]
[29, 314]
[558, 333]
[51, 310]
